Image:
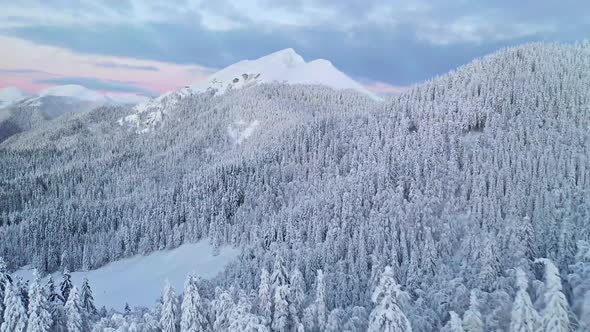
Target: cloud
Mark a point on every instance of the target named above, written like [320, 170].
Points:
[23, 71]
[115, 65]
[24, 61]
[397, 43]
[98, 84]
[386, 89]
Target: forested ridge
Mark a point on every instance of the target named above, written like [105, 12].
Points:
[467, 196]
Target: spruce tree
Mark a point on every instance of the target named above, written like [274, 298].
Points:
[169, 314]
[321, 310]
[556, 311]
[524, 317]
[387, 315]
[454, 324]
[56, 307]
[4, 282]
[265, 297]
[66, 285]
[15, 315]
[194, 315]
[74, 312]
[39, 316]
[88, 299]
[472, 318]
[281, 317]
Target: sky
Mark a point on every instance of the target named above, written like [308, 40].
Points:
[150, 47]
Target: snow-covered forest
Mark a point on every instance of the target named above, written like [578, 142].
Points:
[460, 205]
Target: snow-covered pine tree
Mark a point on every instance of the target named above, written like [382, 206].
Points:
[4, 281]
[39, 316]
[56, 307]
[222, 308]
[555, 314]
[194, 314]
[88, 299]
[297, 284]
[454, 324]
[579, 277]
[387, 315]
[23, 287]
[584, 317]
[472, 317]
[319, 304]
[265, 297]
[169, 314]
[75, 320]
[15, 315]
[66, 285]
[334, 322]
[241, 319]
[524, 317]
[281, 320]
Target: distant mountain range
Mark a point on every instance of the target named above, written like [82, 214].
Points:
[21, 111]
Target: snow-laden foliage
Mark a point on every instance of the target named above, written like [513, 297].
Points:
[169, 316]
[39, 316]
[524, 316]
[387, 316]
[15, 315]
[193, 311]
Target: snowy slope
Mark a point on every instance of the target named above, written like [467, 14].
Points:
[139, 280]
[11, 95]
[285, 66]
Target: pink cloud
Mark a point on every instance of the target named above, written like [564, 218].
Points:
[382, 88]
[39, 60]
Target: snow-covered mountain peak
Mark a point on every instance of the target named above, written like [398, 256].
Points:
[11, 95]
[285, 66]
[73, 91]
[287, 57]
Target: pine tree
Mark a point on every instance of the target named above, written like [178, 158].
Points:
[66, 285]
[387, 315]
[241, 319]
[56, 307]
[321, 310]
[297, 285]
[15, 315]
[584, 319]
[4, 282]
[222, 308]
[280, 318]
[265, 297]
[74, 316]
[555, 314]
[454, 324]
[579, 277]
[524, 316]
[194, 317]
[472, 318]
[279, 275]
[88, 299]
[39, 316]
[169, 314]
[334, 321]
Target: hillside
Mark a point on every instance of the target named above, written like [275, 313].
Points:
[454, 184]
